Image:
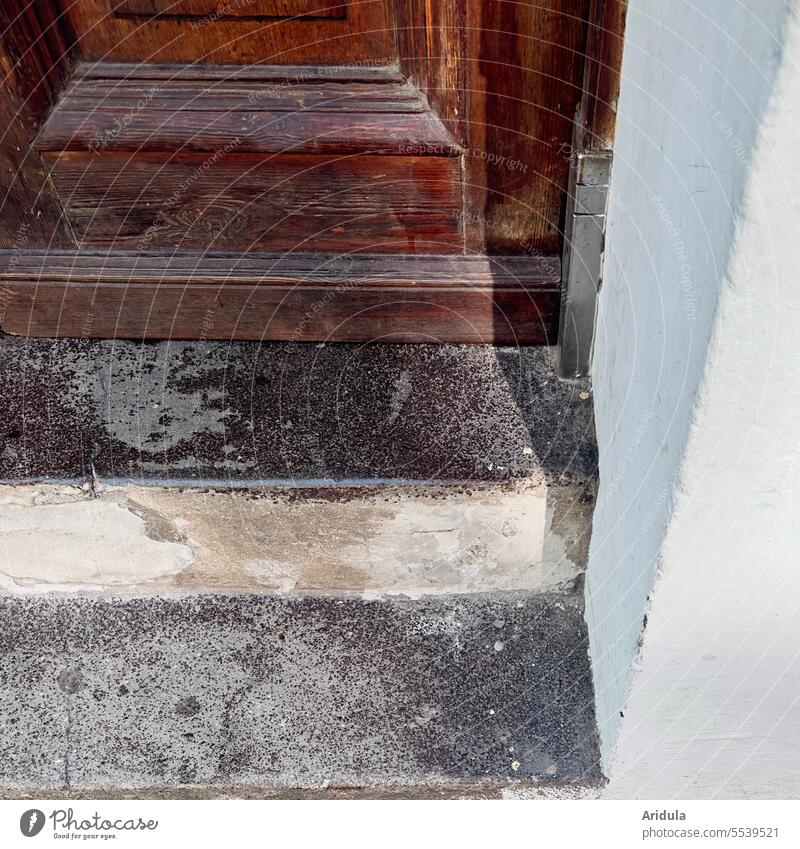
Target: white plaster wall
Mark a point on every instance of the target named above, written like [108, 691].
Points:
[697, 75]
[714, 708]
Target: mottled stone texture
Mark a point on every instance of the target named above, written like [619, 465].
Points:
[284, 692]
[247, 412]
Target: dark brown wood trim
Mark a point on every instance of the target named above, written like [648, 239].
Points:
[223, 11]
[506, 79]
[296, 163]
[35, 46]
[601, 79]
[526, 273]
[294, 297]
[365, 35]
[432, 40]
[378, 74]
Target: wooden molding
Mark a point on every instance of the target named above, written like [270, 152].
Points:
[265, 162]
[294, 297]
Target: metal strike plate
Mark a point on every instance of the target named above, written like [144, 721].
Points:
[582, 264]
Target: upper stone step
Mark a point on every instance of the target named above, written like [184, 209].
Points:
[250, 414]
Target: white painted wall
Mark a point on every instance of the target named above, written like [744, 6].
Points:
[715, 707]
[697, 76]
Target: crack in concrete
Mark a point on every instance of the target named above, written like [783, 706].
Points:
[68, 745]
[226, 758]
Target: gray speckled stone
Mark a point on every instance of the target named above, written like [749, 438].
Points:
[34, 715]
[294, 692]
[225, 413]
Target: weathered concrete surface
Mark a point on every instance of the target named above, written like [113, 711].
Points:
[259, 691]
[423, 639]
[410, 540]
[60, 544]
[243, 412]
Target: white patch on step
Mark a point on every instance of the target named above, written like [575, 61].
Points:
[86, 544]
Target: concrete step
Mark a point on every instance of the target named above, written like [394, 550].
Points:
[250, 414]
[415, 640]
[468, 693]
[368, 541]
[288, 570]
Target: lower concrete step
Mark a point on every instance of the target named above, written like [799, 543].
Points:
[236, 693]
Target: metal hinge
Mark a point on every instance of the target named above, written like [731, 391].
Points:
[582, 262]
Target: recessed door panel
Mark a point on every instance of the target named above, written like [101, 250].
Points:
[234, 32]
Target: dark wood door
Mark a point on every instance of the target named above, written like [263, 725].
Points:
[294, 169]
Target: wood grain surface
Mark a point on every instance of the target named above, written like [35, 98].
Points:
[299, 297]
[364, 35]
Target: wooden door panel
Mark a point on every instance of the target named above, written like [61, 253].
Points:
[231, 8]
[258, 164]
[336, 34]
[147, 202]
[140, 108]
[34, 63]
[506, 78]
[529, 68]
